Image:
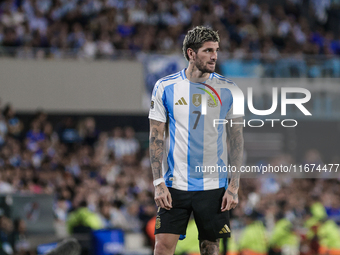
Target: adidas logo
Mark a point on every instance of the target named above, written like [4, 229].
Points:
[181, 102]
[225, 230]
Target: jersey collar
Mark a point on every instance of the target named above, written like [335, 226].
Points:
[185, 77]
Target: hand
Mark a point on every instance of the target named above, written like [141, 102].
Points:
[229, 200]
[163, 197]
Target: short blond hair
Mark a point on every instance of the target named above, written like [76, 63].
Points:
[195, 38]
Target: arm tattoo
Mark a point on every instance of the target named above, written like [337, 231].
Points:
[236, 151]
[209, 247]
[234, 195]
[156, 147]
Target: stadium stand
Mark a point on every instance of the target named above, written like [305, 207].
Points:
[101, 27]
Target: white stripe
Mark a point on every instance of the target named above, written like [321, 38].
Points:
[211, 181]
[204, 104]
[181, 115]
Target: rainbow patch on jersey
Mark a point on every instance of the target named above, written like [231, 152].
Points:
[213, 90]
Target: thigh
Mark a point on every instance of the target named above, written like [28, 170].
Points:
[211, 222]
[175, 220]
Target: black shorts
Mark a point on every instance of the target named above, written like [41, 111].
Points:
[206, 207]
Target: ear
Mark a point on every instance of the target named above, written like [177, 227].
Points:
[191, 54]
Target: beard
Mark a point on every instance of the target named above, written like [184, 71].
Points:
[203, 67]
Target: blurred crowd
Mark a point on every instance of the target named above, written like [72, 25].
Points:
[100, 28]
[103, 180]
[98, 179]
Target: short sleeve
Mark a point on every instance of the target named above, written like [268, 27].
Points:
[230, 114]
[157, 109]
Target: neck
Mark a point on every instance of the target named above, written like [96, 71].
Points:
[195, 75]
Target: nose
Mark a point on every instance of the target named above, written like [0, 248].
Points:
[214, 55]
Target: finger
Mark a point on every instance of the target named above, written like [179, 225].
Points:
[224, 204]
[161, 203]
[229, 204]
[170, 199]
[166, 203]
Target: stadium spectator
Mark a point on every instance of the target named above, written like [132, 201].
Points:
[130, 141]
[89, 47]
[34, 137]
[60, 210]
[132, 220]
[88, 132]
[253, 239]
[333, 208]
[19, 238]
[6, 228]
[5, 187]
[3, 127]
[82, 220]
[105, 214]
[117, 214]
[67, 132]
[282, 235]
[329, 235]
[115, 143]
[14, 125]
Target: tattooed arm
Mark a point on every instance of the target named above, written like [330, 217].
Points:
[162, 194]
[235, 134]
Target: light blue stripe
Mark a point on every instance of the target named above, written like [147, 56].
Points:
[221, 76]
[168, 101]
[195, 144]
[172, 75]
[183, 72]
[183, 76]
[170, 78]
[155, 88]
[223, 79]
[226, 80]
[227, 100]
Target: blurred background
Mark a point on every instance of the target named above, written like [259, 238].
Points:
[75, 84]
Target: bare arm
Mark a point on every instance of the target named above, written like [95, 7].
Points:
[156, 147]
[235, 134]
[162, 194]
[236, 152]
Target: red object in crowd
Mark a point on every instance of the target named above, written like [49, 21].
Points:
[150, 230]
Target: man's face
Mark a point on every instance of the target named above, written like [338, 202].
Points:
[206, 57]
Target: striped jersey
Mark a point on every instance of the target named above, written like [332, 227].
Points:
[195, 156]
